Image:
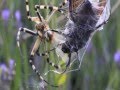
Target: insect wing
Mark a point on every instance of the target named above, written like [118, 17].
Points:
[59, 39]
[104, 15]
[73, 4]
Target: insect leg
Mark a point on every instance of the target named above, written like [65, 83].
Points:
[101, 24]
[68, 64]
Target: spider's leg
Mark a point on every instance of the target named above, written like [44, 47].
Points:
[59, 32]
[62, 71]
[46, 7]
[33, 33]
[28, 9]
[31, 60]
[63, 3]
[46, 53]
[49, 62]
[35, 19]
[38, 13]
[52, 9]
[58, 67]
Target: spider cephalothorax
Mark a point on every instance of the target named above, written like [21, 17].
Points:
[43, 30]
[40, 26]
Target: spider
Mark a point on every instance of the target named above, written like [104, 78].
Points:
[85, 17]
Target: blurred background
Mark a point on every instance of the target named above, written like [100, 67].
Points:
[100, 68]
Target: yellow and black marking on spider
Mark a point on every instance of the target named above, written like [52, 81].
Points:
[85, 18]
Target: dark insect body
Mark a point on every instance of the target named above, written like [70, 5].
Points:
[80, 26]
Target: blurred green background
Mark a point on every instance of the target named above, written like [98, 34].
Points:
[100, 68]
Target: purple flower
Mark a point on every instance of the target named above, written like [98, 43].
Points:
[11, 68]
[11, 64]
[5, 14]
[3, 67]
[18, 15]
[18, 18]
[4, 71]
[117, 56]
[7, 73]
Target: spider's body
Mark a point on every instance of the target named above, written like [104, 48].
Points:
[42, 29]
